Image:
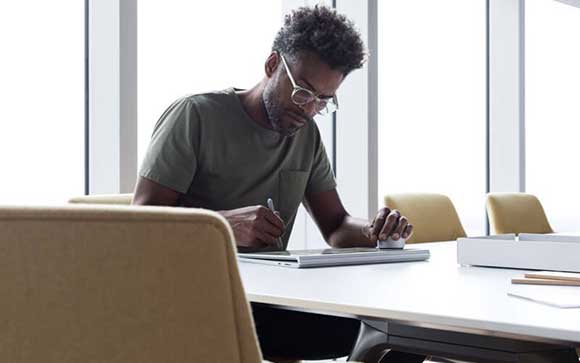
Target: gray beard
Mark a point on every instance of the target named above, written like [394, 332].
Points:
[273, 110]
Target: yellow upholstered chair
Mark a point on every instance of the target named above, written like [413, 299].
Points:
[121, 284]
[516, 213]
[433, 216]
[116, 199]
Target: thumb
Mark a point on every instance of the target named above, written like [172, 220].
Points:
[280, 216]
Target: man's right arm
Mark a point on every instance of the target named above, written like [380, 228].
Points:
[253, 226]
[148, 192]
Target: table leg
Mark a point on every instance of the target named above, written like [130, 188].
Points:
[372, 347]
[376, 338]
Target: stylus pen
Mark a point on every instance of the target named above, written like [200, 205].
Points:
[278, 240]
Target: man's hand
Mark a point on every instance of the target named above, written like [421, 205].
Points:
[388, 223]
[255, 226]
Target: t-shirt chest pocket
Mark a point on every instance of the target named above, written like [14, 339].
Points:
[292, 187]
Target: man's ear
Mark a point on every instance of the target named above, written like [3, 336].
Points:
[272, 64]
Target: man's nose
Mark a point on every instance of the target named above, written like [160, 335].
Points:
[309, 109]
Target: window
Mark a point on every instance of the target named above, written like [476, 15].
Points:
[432, 102]
[42, 108]
[552, 57]
[185, 48]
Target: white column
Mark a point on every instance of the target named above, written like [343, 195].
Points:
[357, 119]
[112, 96]
[506, 96]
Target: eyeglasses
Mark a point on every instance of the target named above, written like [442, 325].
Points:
[302, 96]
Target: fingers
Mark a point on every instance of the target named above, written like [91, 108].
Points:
[268, 225]
[268, 228]
[272, 217]
[255, 226]
[378, 223]
[391, 222]
[280, 218]
[399, 231]
[266, 238]
[408, 231]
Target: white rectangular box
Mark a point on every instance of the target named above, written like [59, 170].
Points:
[551, 237]
[526, 255]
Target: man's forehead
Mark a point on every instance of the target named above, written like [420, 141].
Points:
[312, 72]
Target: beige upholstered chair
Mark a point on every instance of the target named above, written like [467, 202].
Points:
[121, 284]
[516, 213]
[433, 216]
[116, 199]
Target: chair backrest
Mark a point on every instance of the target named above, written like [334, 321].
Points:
[121, 284]
[516, 213]
[116, 199]
[433, 216]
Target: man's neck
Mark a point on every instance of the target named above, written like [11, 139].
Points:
[253, 104]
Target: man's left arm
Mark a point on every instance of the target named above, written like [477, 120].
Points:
[341, 230]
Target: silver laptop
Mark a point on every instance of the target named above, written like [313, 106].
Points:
[334, 257]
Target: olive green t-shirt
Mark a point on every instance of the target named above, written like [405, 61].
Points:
[207, 147]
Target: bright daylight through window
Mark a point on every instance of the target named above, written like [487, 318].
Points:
[432, 102]
[42, 108]
[185, 48]
[552, 109]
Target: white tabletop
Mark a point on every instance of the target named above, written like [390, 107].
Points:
[437, 293]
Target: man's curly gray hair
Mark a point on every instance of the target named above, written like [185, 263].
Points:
[324, 32]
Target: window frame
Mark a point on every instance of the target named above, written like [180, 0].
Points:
[112, 104]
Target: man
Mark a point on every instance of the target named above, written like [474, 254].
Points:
[231, 151]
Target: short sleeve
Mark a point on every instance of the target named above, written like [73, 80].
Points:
[321, 175]
[171, 158]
